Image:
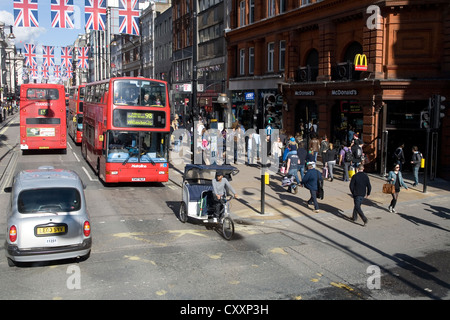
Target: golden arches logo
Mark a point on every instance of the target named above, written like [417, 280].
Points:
[360, 62]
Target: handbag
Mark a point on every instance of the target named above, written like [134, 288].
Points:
[388, 188]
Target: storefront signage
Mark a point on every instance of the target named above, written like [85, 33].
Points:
[249, 96]
[352, 92]
[360, 62]
[304, 93]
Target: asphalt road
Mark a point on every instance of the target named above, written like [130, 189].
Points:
[142, 251]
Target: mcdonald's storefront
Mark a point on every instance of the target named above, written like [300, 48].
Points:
[385, 113]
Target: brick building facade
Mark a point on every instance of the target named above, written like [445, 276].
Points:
[306, 50]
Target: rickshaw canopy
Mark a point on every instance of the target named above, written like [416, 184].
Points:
[206, 173]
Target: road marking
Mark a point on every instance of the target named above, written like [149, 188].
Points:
[87, 173]
[75, 155]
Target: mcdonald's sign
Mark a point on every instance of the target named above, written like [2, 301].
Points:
[360, 62]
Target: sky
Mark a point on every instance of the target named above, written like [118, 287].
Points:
[44, 34]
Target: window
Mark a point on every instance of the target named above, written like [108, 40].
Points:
[282, 56]
[283, 6]
[271, 8]
[305, 2]
[270, 52]
[242, 61]
[49, 200]
[242, 13]
[251, 60]
[251, 13]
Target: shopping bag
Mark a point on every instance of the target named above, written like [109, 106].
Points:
[388, 188]
[325, 172]
[351, 172]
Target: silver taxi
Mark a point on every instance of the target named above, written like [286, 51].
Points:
[47, 217]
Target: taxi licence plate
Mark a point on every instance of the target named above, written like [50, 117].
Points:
[43, 231]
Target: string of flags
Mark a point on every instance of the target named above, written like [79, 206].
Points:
[26, 14]
[49, 67]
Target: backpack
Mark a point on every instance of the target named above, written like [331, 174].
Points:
[357, 152]
[348, 156]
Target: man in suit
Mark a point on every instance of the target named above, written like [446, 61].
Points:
[360, 188]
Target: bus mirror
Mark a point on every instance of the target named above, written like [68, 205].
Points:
[100, 137]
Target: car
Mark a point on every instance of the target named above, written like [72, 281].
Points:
[47, 217]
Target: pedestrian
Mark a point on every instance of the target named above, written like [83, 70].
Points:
[277, 149]
[315, 145]
[310, 157]
[324, 145]
[330, 156]
[360, 188]
[395, 177]
[301, 153]
[345, 158]
[415, 163]
[310, 182]
[357, 152]
[250, 150]
[399, 156]
[292, 167]
[257, 139]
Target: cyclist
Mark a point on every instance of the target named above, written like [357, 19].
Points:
[221, 186]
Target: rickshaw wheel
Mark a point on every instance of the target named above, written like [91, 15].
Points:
[227, 228]
[183, 213]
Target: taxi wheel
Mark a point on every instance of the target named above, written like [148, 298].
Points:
[183, 213]
[11, 263]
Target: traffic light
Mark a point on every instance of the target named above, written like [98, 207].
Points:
[438, 113]
[425, 119]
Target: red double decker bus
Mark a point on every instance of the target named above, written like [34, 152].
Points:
[126, 129]
[75, 113]
[42, 116]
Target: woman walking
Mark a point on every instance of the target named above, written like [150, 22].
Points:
[330, 156]
[395, 177]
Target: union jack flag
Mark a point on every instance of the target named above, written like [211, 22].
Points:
[83, 58]
[33, 70]
[66, 57]
[57, 72]
[62, 14]
[45, 72]
[129, 17]
[67, 73]
[26, 13]
[95, 14]
[48, 55]
[30, 54]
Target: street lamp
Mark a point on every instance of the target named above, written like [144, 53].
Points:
[224, 101]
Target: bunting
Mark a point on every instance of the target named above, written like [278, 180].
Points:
[66, 57]
[83, 58]
[95, 14]
[48, 55]
[129, 17]
[62, 14]
[30, 54]
[25, 13]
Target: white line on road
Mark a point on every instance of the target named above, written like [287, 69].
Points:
[87, 173]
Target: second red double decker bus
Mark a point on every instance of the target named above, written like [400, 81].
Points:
[75, 113]
[126, 129]
[42, 117]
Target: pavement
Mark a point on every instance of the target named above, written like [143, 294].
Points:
[281, 204]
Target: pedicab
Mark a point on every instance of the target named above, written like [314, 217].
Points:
[197, 198]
